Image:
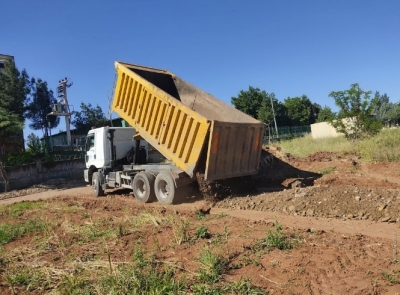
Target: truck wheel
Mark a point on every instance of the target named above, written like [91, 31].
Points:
[165, 188]
[143, 187]
[97, 189]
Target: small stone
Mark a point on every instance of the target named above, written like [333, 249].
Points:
[385, 219]
[380, 208]
[358, 198]
[350, 216]
[310, 212]
[292, 208]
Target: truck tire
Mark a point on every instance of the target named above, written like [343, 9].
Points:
[97, 188]
[143, 187]
[164, 187]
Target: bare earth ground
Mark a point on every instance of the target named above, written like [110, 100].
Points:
[342, 214]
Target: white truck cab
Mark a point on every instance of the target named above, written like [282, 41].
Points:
[107, 144]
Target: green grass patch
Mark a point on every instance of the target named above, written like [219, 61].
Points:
[212, 266]
[26, 278]
[10, 232]
[202, 233]
[18, 209]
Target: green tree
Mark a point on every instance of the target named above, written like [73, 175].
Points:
[10, 123]
[89, 117]
[15, 88]
[40, 107]
[33, 143]
[354, 119]
[250, 101]
[299, 110]
[325, 114]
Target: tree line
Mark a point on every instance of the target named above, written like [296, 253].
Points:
[368, 113]
[23, 97]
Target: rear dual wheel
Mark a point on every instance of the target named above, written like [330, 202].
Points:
[165, 188]
[143, 184]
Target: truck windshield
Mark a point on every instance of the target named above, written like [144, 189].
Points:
[89, 142]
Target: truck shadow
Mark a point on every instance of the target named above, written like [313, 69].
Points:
[277, 175]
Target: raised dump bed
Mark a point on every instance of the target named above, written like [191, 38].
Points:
[190, 127]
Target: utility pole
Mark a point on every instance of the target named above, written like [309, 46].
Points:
[62, 107]
[272, 105]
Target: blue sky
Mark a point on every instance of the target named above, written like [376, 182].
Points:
[288, 47]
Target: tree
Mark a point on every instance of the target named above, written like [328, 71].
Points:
[354, 119]
[15, 88]
[10, 123]
[40, 107]
[89, 117]
[33, 143]
[250, 101]
[325, 114]
[299, 110]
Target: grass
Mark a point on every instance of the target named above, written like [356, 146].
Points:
[381, 148]
[212, 266]
[393, 278]
[202, 233]
[10, 232]
[29, 278]
[18, 209]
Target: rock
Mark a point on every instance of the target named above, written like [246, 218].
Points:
[385, 219]
[358, 198]
[292, 208]
[310, 212]
[383, 207]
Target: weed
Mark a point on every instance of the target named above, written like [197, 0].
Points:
[28, 278]
[202, 233]
[222, 214]
[180, 228]
[277, 239]
[243, 286]
[18, 209]
[144, 275]
[300, 271]
[200, 215]
[86, 215]
[392, 278]
[72, 284]
[212, 266]
[10, 232]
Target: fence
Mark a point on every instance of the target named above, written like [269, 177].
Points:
[286, 132]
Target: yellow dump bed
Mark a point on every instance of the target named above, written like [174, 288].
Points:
[195, 130]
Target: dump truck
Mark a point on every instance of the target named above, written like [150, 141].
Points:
[199, 136]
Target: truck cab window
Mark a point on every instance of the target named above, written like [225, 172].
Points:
[89, 142]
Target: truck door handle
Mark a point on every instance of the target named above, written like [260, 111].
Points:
[94, 156]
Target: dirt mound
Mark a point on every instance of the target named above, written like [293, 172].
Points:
[213, 191]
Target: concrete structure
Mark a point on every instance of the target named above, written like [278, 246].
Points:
[323, 130]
